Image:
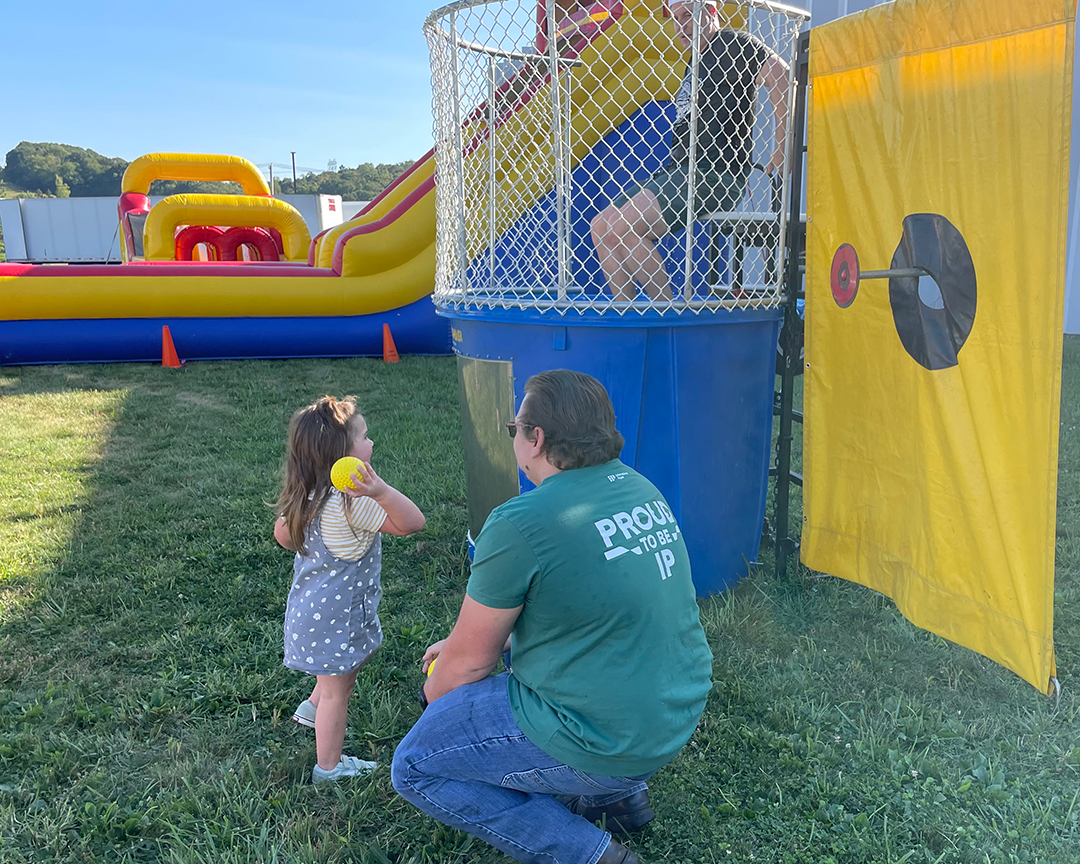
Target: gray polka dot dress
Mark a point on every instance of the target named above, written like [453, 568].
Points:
[331, 619]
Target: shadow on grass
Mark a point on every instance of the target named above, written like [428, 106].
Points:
[144, 711]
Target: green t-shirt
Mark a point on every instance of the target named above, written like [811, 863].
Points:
[610, 664]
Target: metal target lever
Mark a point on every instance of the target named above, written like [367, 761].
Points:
[845, 276]
[899, 273]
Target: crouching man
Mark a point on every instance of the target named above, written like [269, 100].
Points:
[585, 580]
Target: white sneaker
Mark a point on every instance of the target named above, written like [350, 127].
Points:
[349, 766]
[305, 714]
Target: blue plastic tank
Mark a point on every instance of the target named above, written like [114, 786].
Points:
[693, 397]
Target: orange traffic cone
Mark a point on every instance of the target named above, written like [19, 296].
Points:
[168, 350]
[389, 352]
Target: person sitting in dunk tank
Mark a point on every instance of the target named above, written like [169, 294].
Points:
[732, 66]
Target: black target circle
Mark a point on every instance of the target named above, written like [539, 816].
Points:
[933, 336]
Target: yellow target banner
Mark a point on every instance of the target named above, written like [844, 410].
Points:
[938, 177]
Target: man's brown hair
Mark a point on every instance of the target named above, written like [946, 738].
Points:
[577, 417]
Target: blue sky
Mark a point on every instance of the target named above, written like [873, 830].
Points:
[346, 81]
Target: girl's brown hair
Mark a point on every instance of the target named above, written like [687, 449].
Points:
[319, 435]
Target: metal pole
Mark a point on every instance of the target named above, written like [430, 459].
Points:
[568, 129]
[293, 171]
[459, 160]
[491, 169]
[695, 63]
[898, 273]
[271, 178]
[791, 152]
[557, 152]
[791, 282]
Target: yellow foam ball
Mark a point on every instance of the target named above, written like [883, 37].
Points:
[342, 471]
[431, 667]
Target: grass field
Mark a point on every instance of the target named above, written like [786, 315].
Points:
[144, 710]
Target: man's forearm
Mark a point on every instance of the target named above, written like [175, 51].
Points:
[778, 98]
[775, 77]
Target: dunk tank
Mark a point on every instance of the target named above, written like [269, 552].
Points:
[544, 114]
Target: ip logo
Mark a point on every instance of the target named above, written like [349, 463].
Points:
[664, 559]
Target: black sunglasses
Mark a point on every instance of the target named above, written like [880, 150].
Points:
[512, 427]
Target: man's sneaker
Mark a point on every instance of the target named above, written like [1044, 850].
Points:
[619, 817]
[349, 766]
[305, 714]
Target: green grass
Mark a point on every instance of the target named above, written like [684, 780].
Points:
[144, 710]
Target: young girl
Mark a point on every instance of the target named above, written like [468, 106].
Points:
[331, 625]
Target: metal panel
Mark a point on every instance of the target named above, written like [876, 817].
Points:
[70, 229]
[487, 405]
[11, 225]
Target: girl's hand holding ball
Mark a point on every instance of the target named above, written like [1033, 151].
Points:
[343, 469]
[356, 478]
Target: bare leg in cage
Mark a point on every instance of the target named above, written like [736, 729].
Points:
[625, 240]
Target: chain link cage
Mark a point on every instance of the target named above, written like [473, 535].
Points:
[611, 156]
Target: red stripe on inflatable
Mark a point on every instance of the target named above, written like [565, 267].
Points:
[187, 269]
[311, 247]
[590, 29]
[430, 153]
[299, 265]
[371, 227]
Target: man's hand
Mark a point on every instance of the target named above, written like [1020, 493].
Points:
[431, 655]
[472, 649]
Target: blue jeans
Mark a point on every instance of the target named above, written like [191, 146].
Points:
[468, 764]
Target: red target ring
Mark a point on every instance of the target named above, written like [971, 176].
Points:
[844, 277]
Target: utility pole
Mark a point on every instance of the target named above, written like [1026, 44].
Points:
[293, 171]
[271, 178]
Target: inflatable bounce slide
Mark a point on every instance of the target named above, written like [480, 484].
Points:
[237, 276]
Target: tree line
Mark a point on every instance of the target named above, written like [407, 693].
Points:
[63, 170]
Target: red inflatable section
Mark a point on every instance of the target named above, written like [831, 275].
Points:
[192, 236]
[226, 243]
[229, 244]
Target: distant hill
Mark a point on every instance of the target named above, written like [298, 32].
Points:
[64, 170]
[361, 183]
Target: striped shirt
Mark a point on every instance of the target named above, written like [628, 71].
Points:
[349, 531]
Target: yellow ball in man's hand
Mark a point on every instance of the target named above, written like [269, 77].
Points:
[344, 468]
[431, 667]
